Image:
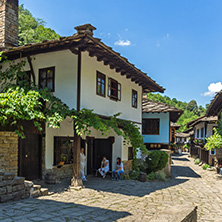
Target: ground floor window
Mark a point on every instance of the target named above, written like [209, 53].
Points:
[63, 150]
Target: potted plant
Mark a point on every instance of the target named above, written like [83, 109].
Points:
[62, 160]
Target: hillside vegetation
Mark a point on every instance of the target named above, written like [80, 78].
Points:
[31, 29]
[191, 109]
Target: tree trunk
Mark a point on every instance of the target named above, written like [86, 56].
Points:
[76, 180]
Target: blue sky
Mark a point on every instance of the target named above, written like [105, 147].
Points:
[177, 42]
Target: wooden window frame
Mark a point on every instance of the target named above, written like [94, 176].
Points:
[103, 77]
[46, 79]
[147, 129]
[56, 152]
[134, 98]
[117, 89]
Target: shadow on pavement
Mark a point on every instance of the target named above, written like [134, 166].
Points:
[50, 210]
[183, 171]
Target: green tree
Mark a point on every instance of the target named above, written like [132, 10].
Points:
[33, 30]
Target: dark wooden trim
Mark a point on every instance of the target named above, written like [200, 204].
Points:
[104, 76]
[79, 80]
[31, 68]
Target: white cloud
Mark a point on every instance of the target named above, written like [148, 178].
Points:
[122, 42]
[158, 45]
[213, 88]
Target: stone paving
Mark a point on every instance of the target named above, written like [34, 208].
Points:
[106, 200]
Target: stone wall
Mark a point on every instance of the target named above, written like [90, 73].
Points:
[9, 152]
[8, 23]
[65, 172]
[128, 166]
[12, 187]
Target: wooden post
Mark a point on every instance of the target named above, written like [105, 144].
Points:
[76, 180]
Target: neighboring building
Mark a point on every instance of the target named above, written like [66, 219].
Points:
[184, 136]
[84, 73]
[215, 109]
[158, 128]
[202, 127]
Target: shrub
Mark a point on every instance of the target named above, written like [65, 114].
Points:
[126, 176]
[205, 166]
[151, 176]
[197, 161]
[160, 176]
[156, 160]
[134, 174]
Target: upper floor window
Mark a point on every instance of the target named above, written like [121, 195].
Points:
[114, 89]
[151, 127]
[134, 98]
[47, 78]
[100, 84]
[198, 133]
[202, 132]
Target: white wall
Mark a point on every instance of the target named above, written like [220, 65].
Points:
[164, 135]
[199, 126]
[103, 105]
[210, 129]
[66, 130]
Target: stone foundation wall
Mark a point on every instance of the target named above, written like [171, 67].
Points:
[65, 172]
[9, 152]
[12, 187]
[128, 166]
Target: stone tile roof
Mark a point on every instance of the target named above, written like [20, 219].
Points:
[215, 106]
[202, 119]
[86, 42]
[149, 106]
[182, 135]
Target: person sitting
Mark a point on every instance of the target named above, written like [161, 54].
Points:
[119, 169]
[104, 167]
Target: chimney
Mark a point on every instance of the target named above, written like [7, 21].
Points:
[85, 29]
[8, 23]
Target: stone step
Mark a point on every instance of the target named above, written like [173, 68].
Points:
[44, 191]
[37, 187]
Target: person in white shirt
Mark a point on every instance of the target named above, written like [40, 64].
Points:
[82, 164]
[119, 169]
[104, 167]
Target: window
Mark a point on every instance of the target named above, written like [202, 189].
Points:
[151, 126]
[100, 84]
[114, 89]
[134, 98]
[213, 152]
[24, 78]
[202, 132]
[63, 150]
[198, 133]
[47, 78]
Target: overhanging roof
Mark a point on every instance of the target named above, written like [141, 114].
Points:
[176, 126]
[95, 47]
[215, 106]
[150, 106]
[211, 119]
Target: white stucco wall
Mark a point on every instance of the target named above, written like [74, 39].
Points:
[164, 135]
[66, 130]
[104, 105]
[210, 129]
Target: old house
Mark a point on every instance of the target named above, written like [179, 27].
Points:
[84, 73]
[158, 126]
[202, 127]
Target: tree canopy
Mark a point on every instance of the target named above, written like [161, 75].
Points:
[33, 30]
[191, 109]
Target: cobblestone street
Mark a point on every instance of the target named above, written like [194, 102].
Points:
[106, 200]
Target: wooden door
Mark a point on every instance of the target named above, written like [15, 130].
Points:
[102, 147]
[30, 156]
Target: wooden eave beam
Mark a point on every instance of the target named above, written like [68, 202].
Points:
[31, 68]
